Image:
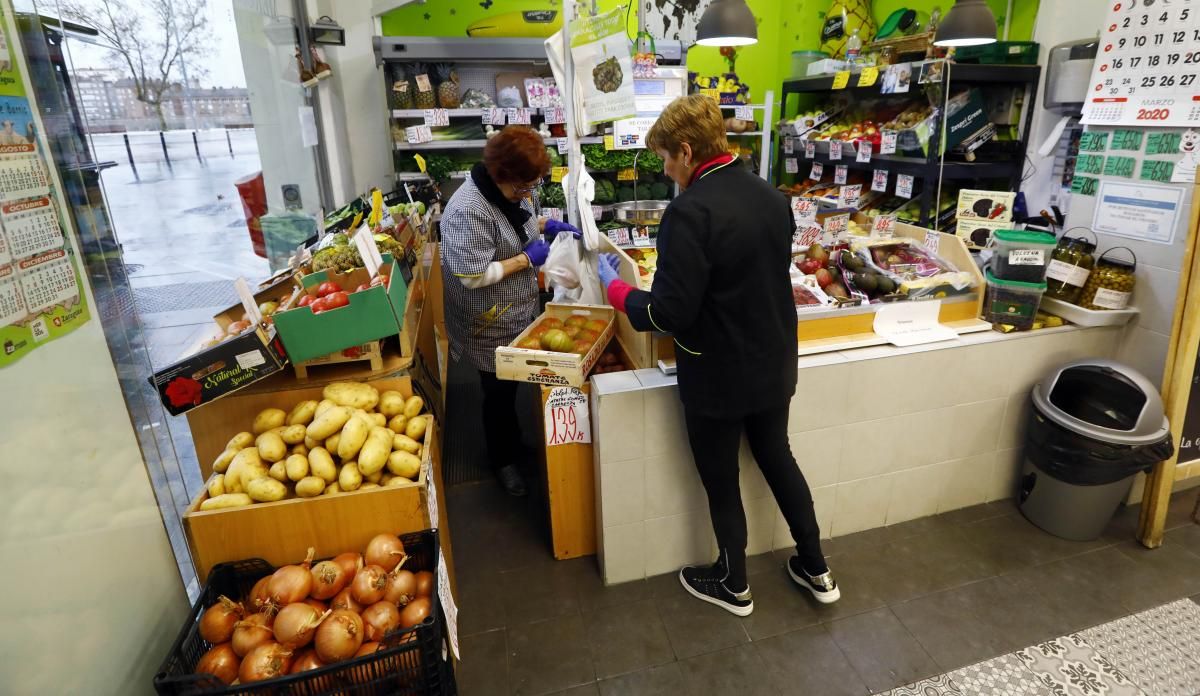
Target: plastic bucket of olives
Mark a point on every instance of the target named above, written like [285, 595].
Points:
[1110, 285]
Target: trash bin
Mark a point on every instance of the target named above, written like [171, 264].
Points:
[1093, 426]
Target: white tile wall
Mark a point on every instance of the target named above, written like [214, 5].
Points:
[672, 486]
[624, 552]
[910, 493]
[1146, 352]
[820, 399]
[760, 526]
[819, 454]
[678, 540]
[964, 482]
[861, 505]
[622, 425]
[623, 482]
[1006, 471]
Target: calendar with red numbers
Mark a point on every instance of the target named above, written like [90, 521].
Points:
[30, 226]
[22, 173]
[47, 279]
[12, 302]
[1147, 69]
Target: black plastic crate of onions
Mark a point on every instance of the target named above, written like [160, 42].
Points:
[366, 622]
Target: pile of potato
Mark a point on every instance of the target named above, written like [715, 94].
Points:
[354, 439]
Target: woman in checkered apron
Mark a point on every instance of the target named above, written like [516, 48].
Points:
[492, 243]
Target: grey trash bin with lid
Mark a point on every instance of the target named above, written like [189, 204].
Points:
[1094, 425]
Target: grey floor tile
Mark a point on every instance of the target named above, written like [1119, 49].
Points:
[1012, 543]
[484, 667]
[538, 592]
[863, 584]
[737, 671]
[1187, 536]
[594, 595]
[1016, 617]
[920, 526]
[764, 563]
[1171, 572]
[479, 607]
[947, 626]
[779, 606]
[808, 661]
[970, 515]
[1179, 512]
[881, 650]
[696, 627]
[627, 638]
[548, 656]
[1084, 590]
[858, 541]
[664, 586]
[584, 690]
[664, 680]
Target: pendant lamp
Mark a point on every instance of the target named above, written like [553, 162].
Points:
[728, 23]
[969, 23]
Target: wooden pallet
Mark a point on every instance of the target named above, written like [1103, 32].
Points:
[371, 351]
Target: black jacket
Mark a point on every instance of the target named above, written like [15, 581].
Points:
[723, 291]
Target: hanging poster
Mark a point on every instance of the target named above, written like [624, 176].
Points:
[1137, 211]
[1146, 71]
[603, 66]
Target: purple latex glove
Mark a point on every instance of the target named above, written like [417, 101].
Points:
[607, 266]
[537, 251]
[553, 227]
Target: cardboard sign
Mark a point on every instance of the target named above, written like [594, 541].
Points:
[911, 323]
[790, 165]
[834, 228]
[933, 240]
[848, 196]
[517, 116]
[555, 115]
[810, 149]
[868, 76]
[804, 210]
[841, 79]
[416, 135]
[884, 226]
[492, 116]
[789, 146]
[743, 113]
[561, 143]
[567, 418]
[807, 235]
[557, 174]
[248, 302]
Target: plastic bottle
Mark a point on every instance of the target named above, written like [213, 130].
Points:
[853, 47]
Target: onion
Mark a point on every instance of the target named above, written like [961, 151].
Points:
[345, 600]
[295, 625]
[251, 632]
[258, 595]
[328, 579]
[339, 636]
[368, 586]
[385, 551]
[416, 612]
[368, 648]
[317, 604]
[401, 587]
[290, 584]
[221, 662]
[350, 562]
[380, 617]
[306, 661]
[267, 661]
[424, 584]
[216, 626]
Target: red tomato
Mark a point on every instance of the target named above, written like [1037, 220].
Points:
[337, 299]
[318, 305]
[384, 280]
[327, 288]
[305, 301]
[364, 286]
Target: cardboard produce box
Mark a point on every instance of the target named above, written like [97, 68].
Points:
[547, 367]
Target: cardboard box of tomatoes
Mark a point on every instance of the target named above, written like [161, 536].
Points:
[343, 310]
[560, 347]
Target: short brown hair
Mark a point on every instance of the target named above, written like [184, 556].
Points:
[695, 120]
[516, 155]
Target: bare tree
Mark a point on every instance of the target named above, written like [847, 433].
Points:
[149, 38]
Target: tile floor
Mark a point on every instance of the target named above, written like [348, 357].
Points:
[976, 601]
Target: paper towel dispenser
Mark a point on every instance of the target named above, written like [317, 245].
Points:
[1068, 73]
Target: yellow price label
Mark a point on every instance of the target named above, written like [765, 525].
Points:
[841, 79]
[557, 174]
[713, 94]
[376, 208]
[628, 174]
[609, 143]
[420, 163]
[868, 76]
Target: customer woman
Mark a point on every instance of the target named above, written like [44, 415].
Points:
[723, 291]
[492, 242]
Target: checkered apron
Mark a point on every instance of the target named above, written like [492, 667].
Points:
[474, 234]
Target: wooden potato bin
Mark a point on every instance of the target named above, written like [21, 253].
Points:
[282, 532]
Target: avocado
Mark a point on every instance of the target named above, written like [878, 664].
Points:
[865, 282]
[885, 284]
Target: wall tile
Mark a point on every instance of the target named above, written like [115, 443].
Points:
[623, 483]
[1154, 296]
[1146, 352]
[1006, 471]
[914, 493]
[670, 434]
[924, 439]
[672, 486]
[622, 424]
[982, 376]
[622, 553]
[964, 482]
[915, 382]
[676, 541]
[821, 398]
[819, 453]
[861, 505]
[761, 515]
[975, 428]
[874, 448]
[823, 504]
[1016, 419]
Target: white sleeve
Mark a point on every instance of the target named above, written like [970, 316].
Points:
[491, 275]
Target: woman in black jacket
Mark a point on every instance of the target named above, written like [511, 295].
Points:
[723, 291]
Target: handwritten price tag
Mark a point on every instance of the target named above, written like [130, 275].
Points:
[789, 146]
[884, 227]
[597, 212]
[835, 149]
[810, 149]
[841, 79]
[864, 151]
[627, 174]
[609, 143]
[567, 419]
[835, 228]
[839, 174]
[904, 185]
[817, 171]
[418, 134]
[492, 116]
[887, 142]
[804, 209]
[933, 240]
[619, 236]
[848, 196]
[807, 235]
[562, 145]
[555, 114]
[517, 116]
[743, 113]
[557, 174]
[879, 180]
[790, 165]
[868, 76]
[436, 118]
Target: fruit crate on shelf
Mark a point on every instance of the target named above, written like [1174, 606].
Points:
[371, 352]
[409, 663]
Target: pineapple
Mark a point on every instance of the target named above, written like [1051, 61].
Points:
[447, 89]
[843, 17]
[424, 89]
[402, 89]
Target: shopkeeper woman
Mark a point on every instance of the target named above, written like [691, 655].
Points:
[492, 242]
[723, 291]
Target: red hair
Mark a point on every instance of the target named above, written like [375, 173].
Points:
[516, 155]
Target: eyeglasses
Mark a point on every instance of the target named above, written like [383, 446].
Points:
[530, 188]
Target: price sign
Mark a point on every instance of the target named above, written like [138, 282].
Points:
[743, 113]
[609, 143]
[423, 83]
[1091, 141]
[1084, 185]
[561, 143]
[839, 174]
[449, 607]
[804, 209]
[627, 174]
[418, 134]
[810, 149]
[619, 236]
[835, 149]
[841, 79]
[904, 185]
[848, 196]
[436, 118]
[868, 76]
[790, 165]
[807, 235]
[1114, 166]
[597, 212]
[557, 174]
[567, 419]
[789, 146]
[492, 116]
[553, 213]
[1090, 164]
[517, 116]
[1126, 140]
[864, 151]
[933, 239]
[887, 142]
[555, 115]
[817, 171]
[1162, 143]
[834, 229]
[884, 226]
[879, 180]
[1157, 170]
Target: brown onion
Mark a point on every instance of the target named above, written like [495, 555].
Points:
[221, 662]
[401, 587]
[424, 584]
[258, 595]
[305, 661]
[267, 661]
[368, 648]
[385, 551]
[296, 624]
[339, 636]
[368, 585]
[216, 625]
[328, 579]
[251, 632]
[290, 584]
[317, 604]
[350, 562]
[380, 617]
[416, 612]
[345, 600]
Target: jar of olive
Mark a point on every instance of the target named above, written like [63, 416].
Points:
[1110, 285]
[1071, 263]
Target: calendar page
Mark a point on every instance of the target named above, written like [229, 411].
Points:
[1147, 70]
[12, 302]
[22, 173]
[31, 227]
[47, 279]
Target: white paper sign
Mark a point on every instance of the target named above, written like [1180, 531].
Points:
[449, 608]
[597, 212]
[789, 146]
[418, 134]
[834, 228]
[810, 149]
[243, 292]
[839, 174]
[835, 149]
[933, 240]
[308, 127]
[807, 235]
[518, 116]
[848, 196]
[567, 417]
[884, 227]
[1137, 211]
[804, 210]
[619, 236]
[431, 501]
[817, 171]
[743, 113]
[437, 118]
[864, 151]
[879, 180]
[904, 185]
[887, 142]
[790, 165]
[561, 143]
[555, 115]
[364, 241]
[493, 116]
[911, 323]
[630, 133]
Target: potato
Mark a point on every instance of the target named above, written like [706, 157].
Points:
[332, 489]
[266, 490]
[416, 429]
[398, 481]
[406, 443]
[293, 434]
[268, 418]
[246, 466]
[398, 423]
[391, 403]
[378, 419]
[320, 464]
[322, 406]
[368, 486]
[405, 464]
[372, 478]
[332, 443]
[270, 447]
[329, 422]
[300, 449]
[349, 478]
[310, 486]
[215, 485]
[354, 435]
[303, 413]
[413, 406]
[221, 463]
[297, 467]
[278, 471]
[375, 451]
[352, 394]
[227, 500]
[309, 442]
[240, 441]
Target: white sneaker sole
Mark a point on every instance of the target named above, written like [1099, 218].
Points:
[736, 611]
[822, 597]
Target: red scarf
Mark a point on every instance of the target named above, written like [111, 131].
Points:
[718, 161]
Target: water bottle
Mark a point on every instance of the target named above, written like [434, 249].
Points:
[853, 47]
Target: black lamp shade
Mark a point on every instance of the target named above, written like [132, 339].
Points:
[969, 23]
[727, 23]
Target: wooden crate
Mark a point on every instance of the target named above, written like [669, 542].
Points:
[644, 348]
[546, 367]
[371, 352]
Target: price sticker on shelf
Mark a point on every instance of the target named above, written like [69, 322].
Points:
[597, 212]
[848, 196]
[790, 165]
[884, 226]
[561, 143]
[839, 174]
[933, 239]
[789, 146]
[887, 142]
[619, 236]
[713, 94]
[868, 76]
[557, 174]
[627, 174]
[834, 228]
[492, 116]
[437, 118]
[810, 149]
[879, 180]
[804, 210]
[904, 185]
[841, 79]
[609, 143]
[864, 151]
[817, 171]
[835, 149]
[743, 113]
[418, 134]
[555, 115]
[518, 116]
[807, 235]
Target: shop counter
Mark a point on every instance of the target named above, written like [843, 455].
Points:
[883, 435]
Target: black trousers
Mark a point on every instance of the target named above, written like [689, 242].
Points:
[715, 443]
[501, 429]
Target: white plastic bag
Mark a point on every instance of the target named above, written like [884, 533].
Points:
[562, 264]
[591, 290]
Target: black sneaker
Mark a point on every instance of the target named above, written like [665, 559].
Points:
[512, 481]
[823, 587]
[705, 583]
